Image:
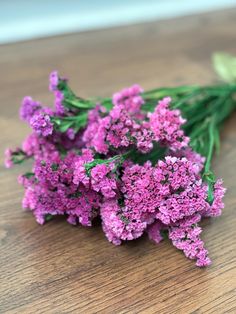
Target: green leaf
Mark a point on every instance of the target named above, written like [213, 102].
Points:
[18, 157]
[65, 126]
[54, 167]
[225, 66]
[210, 196]
[28, 175]
[75, 195]
[124, 219]
[165, 234]
[48, 217]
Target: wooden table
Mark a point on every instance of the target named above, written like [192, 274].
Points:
[59, 268]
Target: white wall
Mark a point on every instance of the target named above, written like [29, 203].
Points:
[22, 19]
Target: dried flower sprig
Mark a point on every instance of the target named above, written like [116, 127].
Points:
[141, 161]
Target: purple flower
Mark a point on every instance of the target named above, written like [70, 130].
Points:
[41, 124]
[130, 98]
[166, 125]
[80, 175]
[154, 231]
[28, 108]
[70, 134]
[59, 97]
[51, 191]
[8, 158]
[40, 147]
[192, 156]
[120, 224]
[53, 81]
[103, 180]
[120, 128]
[96, 132]
[185, 236]
[79, 171]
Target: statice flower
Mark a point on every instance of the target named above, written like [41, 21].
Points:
[58, 102]
[95, 134]
[185, 236]
[127, 125]
[144, 138]
[100, 177]
[54, 81]
[83, 209]
[130, 97]
[41, 124]
[119, 132]
[40, 147]
[51, 191]
[156, 197]
[28, 108]
[142, 188]
[8, 158]
[79, 174]
[71, 134]
[188, 195]
[119, 223]
[103, 180]
[120, 127]
[154, 231]
[172, 189]
[191, 155]
[166, 125]
[171, 197]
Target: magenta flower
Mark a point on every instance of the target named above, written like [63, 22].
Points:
[41, 124]
[8, 158]
[119, 224]
[103, 180]
[127, 161]
[28, 108]
[53, 81]
[166, 125]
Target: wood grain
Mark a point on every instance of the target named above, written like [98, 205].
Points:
[58, 268]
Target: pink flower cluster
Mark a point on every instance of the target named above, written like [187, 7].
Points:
[54, 81]
[126, 125]
[93, 172]
[168, 196]
[166, 125]
[38, 117]
[51, 191]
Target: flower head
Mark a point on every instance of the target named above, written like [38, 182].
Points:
[28, 108]
[120, 224]
[166, 125]
[53, 81]
[41, 124]
[8, 158]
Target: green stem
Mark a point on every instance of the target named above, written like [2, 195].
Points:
[211, 145]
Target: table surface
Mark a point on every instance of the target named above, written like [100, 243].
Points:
[58, 268]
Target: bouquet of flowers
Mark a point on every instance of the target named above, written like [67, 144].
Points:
[139, 161]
